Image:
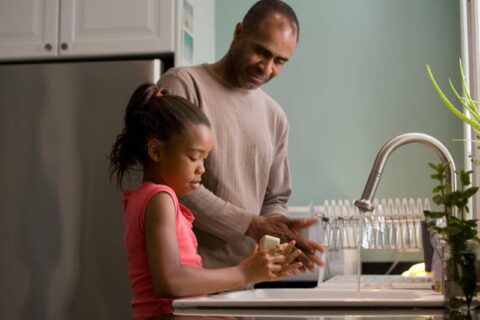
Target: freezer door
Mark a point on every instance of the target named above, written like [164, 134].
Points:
[61, 222]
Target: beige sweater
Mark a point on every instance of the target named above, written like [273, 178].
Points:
[247, 170]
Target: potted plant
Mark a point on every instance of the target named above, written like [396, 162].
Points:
[460, 255]
[460, 235]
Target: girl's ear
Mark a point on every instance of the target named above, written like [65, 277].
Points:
[154, 149]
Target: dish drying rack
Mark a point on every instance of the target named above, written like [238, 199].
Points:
[393, 224]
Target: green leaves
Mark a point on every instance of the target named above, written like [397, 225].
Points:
[457, 230]
[466, 102]
[453, 231]
[438, 189]
[465, 177]
[433, 214]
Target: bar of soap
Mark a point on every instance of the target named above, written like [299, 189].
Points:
[268, 241]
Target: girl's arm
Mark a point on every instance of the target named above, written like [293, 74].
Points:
[172, 279]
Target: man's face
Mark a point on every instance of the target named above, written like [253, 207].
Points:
[259, 56]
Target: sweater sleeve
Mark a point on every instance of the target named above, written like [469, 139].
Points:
[213, 215]
[279, 188]
[180, 82]
[217, 217]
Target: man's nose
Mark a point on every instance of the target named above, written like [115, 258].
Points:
[267, 66]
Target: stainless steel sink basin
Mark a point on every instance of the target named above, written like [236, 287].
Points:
[316, 297]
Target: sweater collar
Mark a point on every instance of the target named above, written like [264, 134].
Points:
[217, 77]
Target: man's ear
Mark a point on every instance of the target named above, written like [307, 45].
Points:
[155, 149]
[238, 30]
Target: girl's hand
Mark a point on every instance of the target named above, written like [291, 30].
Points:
[288, 229]
[262, 265]
[291, 254]
[269, 264]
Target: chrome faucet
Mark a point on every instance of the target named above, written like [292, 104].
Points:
[365, 203]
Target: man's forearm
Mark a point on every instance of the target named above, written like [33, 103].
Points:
[216, 216]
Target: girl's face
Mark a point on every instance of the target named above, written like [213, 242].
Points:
[181, 162]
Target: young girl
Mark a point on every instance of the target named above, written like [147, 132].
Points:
[169, 138]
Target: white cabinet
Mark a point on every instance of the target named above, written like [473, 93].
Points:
[28, 28]
[57, 29]
[116, 27]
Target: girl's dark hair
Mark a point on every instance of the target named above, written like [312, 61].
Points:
[262, 9]
[150, 113]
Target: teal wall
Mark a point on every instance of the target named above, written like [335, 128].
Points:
[356, 79]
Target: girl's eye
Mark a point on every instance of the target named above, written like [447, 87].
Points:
[192, 158]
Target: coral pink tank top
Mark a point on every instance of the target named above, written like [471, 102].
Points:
[145, 302]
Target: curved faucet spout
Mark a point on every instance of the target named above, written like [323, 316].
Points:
[365, 203]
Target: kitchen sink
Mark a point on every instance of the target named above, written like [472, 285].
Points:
[315, 297]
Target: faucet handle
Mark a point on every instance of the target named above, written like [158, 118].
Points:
[364, 205]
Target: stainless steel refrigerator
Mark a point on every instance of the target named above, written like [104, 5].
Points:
[61, 219]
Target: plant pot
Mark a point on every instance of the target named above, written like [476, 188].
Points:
[462, 276]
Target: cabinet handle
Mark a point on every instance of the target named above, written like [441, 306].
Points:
[48, 47]
[64, 46]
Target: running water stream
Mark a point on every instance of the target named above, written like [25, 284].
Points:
[359, 249]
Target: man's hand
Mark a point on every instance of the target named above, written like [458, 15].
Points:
[288, 229]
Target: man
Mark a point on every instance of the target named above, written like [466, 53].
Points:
[247, 182]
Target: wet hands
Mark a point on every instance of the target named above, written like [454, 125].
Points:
[289, 266]
[288, 229]
[271, 263]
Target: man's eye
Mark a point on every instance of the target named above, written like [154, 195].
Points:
[262, 52]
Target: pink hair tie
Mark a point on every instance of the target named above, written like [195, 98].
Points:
[158, 94]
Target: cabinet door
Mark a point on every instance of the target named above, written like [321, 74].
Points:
[116, 27]
[28, 29]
